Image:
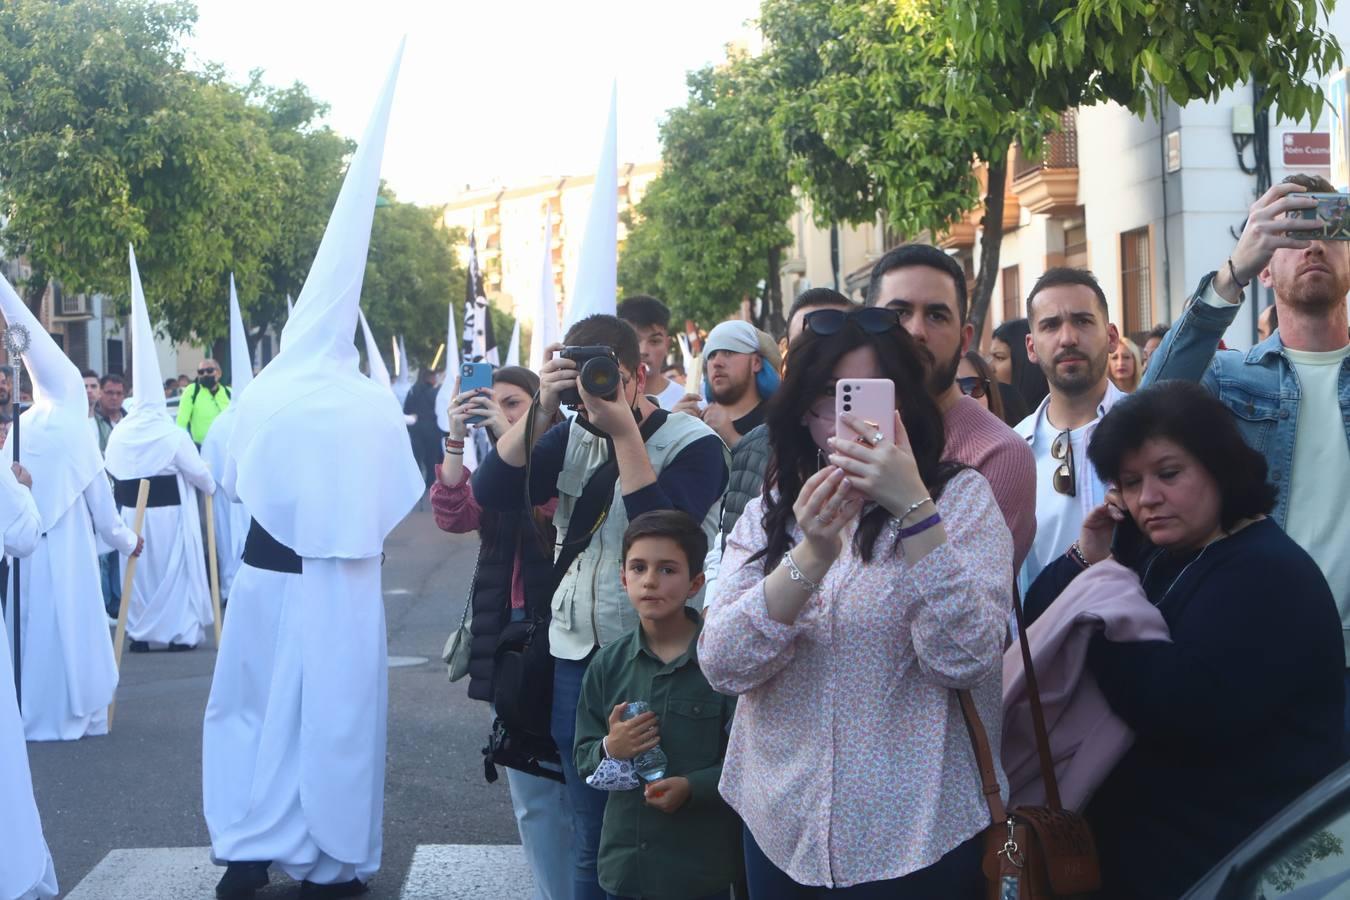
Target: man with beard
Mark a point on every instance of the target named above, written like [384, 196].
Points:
[740, 379]
[927, 288]
[1290, 394]
[1071, 340]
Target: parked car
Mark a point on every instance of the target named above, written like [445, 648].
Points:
[1301, 854]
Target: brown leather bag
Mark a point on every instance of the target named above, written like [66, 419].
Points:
[1031, 852]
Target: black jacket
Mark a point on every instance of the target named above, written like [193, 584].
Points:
[501, 534]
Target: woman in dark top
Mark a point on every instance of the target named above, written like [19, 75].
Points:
[1243, 710]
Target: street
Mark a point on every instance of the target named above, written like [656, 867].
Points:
[123, 813]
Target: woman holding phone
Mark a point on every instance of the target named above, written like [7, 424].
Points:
[870, 581]
[511, 578]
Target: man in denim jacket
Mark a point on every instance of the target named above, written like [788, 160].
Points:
[1290, 394]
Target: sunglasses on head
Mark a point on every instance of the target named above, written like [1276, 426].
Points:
[871, 319]
[974, 386]
[1063, 480]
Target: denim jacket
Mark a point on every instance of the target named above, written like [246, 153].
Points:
[1260, 387]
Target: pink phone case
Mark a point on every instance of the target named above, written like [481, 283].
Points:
[870, 399]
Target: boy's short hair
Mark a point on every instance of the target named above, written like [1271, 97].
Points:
[643, 311]
[679, 526]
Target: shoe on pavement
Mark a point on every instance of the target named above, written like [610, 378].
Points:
[180, 648]
[139, 647]
[311, 891]
[241, 879]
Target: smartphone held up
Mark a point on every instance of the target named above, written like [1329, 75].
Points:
[872, 401]
[1332, 210]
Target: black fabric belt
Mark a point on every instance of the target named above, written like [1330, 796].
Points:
[262, 551]
[163, 491]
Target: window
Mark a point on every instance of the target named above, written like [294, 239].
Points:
[113, 363]
[1012, 293]
[1136, 281]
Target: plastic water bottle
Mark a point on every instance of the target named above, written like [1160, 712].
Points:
[651, 765]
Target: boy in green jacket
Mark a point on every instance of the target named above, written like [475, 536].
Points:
[673, 838]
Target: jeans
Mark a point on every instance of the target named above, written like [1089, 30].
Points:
[110, 574]
[957, 876]
[588, 804]
[544, 817]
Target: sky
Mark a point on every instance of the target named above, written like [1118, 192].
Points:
[489, 92]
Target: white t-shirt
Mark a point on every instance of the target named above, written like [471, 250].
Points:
[1059, 517]
[1319, 483]
[673, 394]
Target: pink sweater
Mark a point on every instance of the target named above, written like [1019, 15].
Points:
[1087, 739]
[456, 511]
[979, 439]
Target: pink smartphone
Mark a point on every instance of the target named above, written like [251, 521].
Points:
[870, 399]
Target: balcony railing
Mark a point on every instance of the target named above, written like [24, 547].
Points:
[1059, 151]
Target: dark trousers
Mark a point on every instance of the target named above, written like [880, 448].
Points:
[588, 804]
[956, 876]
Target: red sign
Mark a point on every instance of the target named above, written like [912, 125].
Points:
[1304, 149]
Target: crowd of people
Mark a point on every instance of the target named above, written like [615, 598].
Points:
[732, 631]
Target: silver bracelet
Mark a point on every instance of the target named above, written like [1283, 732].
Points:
[796, 574]
[909, 512]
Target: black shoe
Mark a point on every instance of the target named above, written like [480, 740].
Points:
[241, 879]
[180, 648]
[139, 647]
[311, 891]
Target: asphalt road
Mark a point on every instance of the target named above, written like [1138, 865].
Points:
[140, 786]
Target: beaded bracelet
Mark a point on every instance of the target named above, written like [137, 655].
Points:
[796, 574]
[1076, 554]
[920, 528]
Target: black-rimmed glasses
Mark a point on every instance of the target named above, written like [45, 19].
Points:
[871, 319]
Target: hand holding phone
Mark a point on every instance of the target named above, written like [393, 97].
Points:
[872, 402]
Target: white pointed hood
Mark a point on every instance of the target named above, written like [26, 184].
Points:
[241, 361]
[546, 331]
[312, 403]
[403, 375]
[216, 445]
[143, 443]
[290, 307]
[379, 372]
[513, 349]
[446, 392]
[57, 446]
[597, 285]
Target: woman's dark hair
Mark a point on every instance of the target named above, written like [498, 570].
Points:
[981, 367]
[810, 365]
[1027, 377]
[1186, 414]
[517, 376]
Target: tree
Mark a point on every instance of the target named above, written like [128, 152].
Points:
[1058, 54]
[876, 120]
[712, 226]
[411, 276]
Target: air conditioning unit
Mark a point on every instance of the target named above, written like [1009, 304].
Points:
[70, 306]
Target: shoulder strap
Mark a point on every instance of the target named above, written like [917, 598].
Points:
[1037, 712]
[984, 758]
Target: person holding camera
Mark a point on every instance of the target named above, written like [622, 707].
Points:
[620, 457]
[1290, 395]
[201, 402]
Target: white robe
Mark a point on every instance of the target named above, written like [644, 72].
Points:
[26, 869]
[69, 675]
[171, 599]
[231, 518]
[293, 747]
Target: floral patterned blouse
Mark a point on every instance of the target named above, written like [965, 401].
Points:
[849, 760]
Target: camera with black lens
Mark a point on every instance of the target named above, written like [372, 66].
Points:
[598, 372]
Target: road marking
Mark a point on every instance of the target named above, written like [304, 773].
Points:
[437, 872]
[468, 872]
[406, 662]
[397, 592]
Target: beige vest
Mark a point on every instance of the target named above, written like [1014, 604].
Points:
[590, 606]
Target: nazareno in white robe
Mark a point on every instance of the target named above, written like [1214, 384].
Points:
[171, 599]
[230, 516]
[293, 749]
[26, 869]
[69, 675]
